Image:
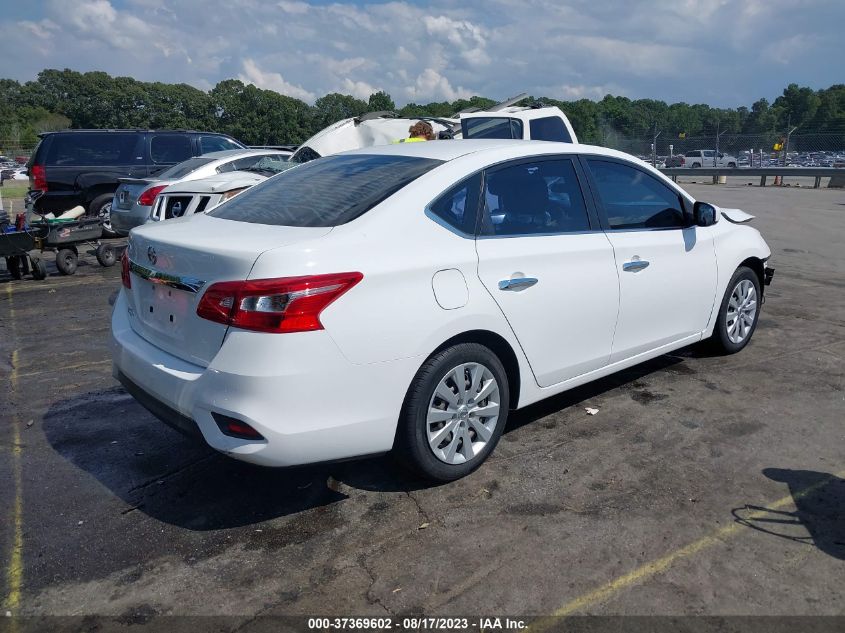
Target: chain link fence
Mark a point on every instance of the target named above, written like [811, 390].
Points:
[808, 149]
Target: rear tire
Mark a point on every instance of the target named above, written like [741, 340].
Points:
[100, 207]
[66, 261]
[739, 312]
[454, 413]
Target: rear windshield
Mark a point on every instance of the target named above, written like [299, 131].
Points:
[93, 148]
[184, 168]
[491, 127]
[326, 192]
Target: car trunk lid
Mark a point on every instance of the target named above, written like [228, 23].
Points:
[172, 265]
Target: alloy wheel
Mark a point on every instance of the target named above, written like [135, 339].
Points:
[742, 308]
[463, 413]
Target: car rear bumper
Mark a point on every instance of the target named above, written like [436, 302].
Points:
[124, 220]
[297, 390]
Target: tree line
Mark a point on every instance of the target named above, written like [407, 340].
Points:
[60, 99]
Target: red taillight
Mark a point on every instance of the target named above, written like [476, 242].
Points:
[148, 196]
[288, 304]
[683, 161]
[124, 271]
[235, 428]
[39, 177]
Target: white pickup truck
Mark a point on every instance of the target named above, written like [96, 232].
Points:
[702, 158]
[504, 120]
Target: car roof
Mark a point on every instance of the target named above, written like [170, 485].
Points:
[449, 150]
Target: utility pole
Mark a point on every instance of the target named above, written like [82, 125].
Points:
[654, 146]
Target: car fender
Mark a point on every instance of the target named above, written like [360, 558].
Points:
[734, 243]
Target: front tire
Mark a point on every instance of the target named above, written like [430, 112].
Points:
[454, 412]
[739, 312]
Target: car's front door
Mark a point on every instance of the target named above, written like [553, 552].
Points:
[549, 267]
[667, 268]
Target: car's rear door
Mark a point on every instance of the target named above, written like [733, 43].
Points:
[667, 268]
[548, 265]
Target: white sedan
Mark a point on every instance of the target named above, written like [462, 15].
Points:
[407, 297]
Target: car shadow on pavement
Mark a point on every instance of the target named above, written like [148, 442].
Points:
[819, 517]
[181, 481]
[591, 390]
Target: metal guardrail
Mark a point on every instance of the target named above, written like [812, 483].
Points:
[763, 172]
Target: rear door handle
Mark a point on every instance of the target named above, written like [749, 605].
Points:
[635, 265]
[517, 283]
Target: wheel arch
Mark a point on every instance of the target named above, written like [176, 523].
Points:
[499, 346]
[755, 264]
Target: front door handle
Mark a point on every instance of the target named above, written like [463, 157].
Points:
[517, 283]
[635, 265]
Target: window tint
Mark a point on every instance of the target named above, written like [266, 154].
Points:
[491, 127]
[709, 153]
[458, 207]
[549, 128]
[170, 148]
[91, 148]
[217, 144]
[327, 192]
[693, 154]
[532, 198]
[633, 199]
[184, 168]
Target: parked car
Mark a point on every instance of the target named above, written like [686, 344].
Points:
[82, 167]
[702, 158]
[188, 197]
[134, 196]
[406, 297]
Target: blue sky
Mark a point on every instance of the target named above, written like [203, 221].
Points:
[721, 52]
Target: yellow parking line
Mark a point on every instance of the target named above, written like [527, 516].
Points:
[660, 565]
[14, 572]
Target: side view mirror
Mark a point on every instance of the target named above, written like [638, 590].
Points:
[704, 214]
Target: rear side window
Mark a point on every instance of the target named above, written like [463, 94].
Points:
[327, 192]
[632, 199]
[93, 149]
[536, 198]
[549, 128]
[213, 143]
[693, 154]
[491, 127]
[170, 148]
[458, 207]
[183, 169]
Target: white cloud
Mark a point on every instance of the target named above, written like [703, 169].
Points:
[252, 74]
[430, 84]
[434, 50]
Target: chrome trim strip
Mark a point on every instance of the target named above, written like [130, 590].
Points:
[190, 284]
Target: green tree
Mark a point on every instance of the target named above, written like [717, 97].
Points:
[380, 101]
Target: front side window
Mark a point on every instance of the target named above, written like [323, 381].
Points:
[633, 199]
[458, 207]
[541, 197]
[491, 127]
[327, 192]
[549, 128]
[170, 148]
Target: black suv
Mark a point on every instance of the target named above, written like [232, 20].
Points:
[82, 167]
